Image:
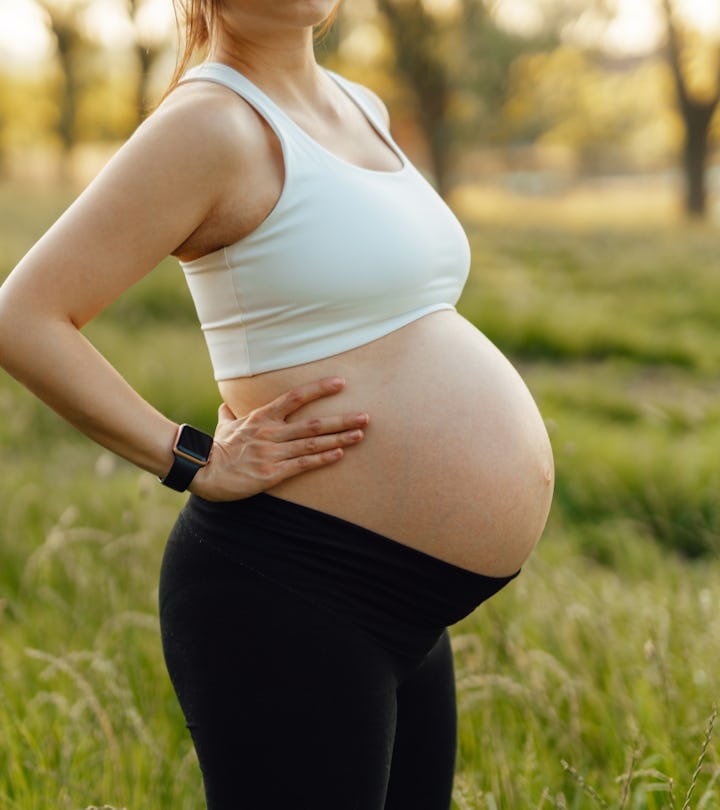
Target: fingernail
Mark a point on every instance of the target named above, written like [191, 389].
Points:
[361, 419]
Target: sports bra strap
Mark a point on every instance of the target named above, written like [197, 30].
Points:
[224, 74]
[272, 112]
[363, 101]
[281, 123]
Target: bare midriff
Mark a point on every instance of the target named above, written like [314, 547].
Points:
[456, 461]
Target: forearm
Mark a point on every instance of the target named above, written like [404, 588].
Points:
[59, 365]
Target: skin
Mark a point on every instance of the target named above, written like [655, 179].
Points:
[456, 462]
[169, 190]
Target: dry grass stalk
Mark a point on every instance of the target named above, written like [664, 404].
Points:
[594, 795]
[628, 779]
[701, 758]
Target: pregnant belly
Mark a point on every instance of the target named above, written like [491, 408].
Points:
[456, 461]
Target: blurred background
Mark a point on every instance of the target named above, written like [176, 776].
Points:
[577, 140]
[528, 97]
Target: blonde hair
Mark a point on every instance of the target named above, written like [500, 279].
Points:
[197, 19]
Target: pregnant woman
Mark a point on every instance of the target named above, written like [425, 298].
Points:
[378, 469]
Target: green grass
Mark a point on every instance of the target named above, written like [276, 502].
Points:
[592, 666]
[602, 655]
[646, 296]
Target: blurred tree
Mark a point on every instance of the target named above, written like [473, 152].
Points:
[149, 46]
[483, 70]
[697, 112]
[457, 60]
[3, 121]
[415, 33]
[64, 21]
[614, 114]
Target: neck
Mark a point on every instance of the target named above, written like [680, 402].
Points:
[279, 61]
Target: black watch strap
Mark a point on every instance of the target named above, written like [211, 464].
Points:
[181, 474]
[192, 451]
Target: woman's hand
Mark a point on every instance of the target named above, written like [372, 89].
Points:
[255, 452]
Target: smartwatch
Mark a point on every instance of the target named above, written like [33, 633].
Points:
[192, 451]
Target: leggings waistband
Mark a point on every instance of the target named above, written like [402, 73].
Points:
[402, 596]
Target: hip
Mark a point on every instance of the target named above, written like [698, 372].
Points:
[396, 595]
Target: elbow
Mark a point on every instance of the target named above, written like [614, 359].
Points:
[27, 327]
[19, 327]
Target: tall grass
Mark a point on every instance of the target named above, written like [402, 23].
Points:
[589, 682]
[604, 668]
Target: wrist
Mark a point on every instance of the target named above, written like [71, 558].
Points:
[169, 456]
[191, 453]
[202, 483]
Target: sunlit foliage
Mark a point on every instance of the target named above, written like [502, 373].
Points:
[620, 116]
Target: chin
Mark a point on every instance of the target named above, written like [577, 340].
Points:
[307, 12]
[295, 13]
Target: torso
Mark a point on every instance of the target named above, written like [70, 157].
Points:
[456, 461]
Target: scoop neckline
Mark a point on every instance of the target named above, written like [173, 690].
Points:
[387, 140]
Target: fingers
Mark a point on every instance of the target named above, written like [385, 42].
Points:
[321, 426]
[257, 451]
[300, 464]
[319, 444]
[294, 399]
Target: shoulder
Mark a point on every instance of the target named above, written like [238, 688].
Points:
[204, 118]
[201, 130]
[183, 163]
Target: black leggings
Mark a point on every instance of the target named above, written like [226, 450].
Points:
[311, 658]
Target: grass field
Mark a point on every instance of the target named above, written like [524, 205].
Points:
[588, 683]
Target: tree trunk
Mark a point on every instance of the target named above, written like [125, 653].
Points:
[66, 44]
[147, 52]
[697, 130]
[414, 33]
[63, 21]
[697, 117]
[3, 128]
[147, 57]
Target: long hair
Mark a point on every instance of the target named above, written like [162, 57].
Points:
[196, 20]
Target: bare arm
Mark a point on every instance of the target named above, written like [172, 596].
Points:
[160, 187]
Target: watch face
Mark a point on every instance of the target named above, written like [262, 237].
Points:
[193, 443]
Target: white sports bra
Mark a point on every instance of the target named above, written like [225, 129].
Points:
[347, 254]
